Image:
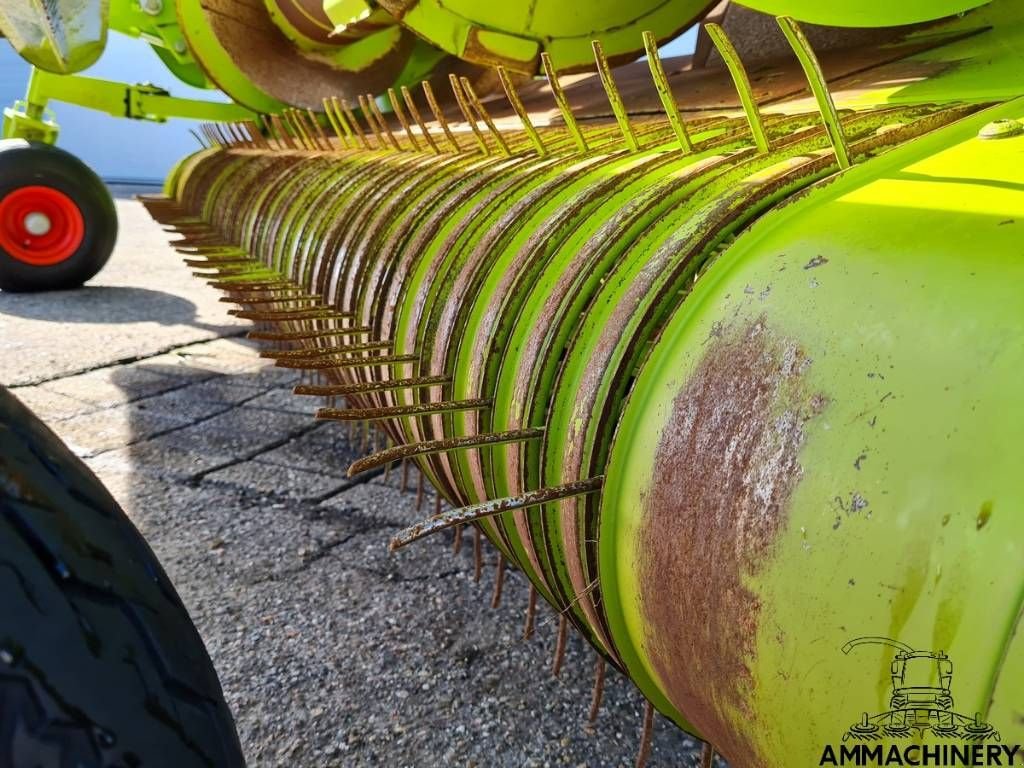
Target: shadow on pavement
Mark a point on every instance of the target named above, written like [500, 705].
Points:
[331, 651]
[106, 304]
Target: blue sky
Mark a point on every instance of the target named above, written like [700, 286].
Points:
[133, 149]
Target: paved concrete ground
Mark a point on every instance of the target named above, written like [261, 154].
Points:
[331, 651]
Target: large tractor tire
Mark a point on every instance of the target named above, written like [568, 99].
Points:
[57, 219]
[100, 665]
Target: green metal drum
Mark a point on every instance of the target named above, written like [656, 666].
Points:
[863, 13]
[515, 34]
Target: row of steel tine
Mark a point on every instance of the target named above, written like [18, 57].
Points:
[304, 130]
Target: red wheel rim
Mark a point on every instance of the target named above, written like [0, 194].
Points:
[40, 225]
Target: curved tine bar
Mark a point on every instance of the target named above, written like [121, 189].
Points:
[524, 116]
[400, 114]
[614, 97]
[410, 450]
[410, 104]
[819, 87]
[420, 409]
[428, 91]
[334, 390]
[668, 101]
[491, 508]
[563, 103]
[742, 83]
[467, 113]
[196, 136]
[478, 105]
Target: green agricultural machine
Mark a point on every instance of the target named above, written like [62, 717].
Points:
[723, 353]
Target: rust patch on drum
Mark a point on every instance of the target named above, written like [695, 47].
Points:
[724, 472]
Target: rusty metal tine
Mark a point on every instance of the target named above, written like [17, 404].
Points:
[419, 409]
[301, 140]
[456, 538]
[255, 134]
[400, 114]
[707, 756]
[614, 97]
[467, 113]
[559, 656]
[300, 135]
[332, 390]
[499, 581]
[646, 733]
[494, 507]
[282, 137]
[428, 91]
[343, 120]
[524, 117]
[819, 87]
[531, 612]
[419, 490]
[299, 118]
[598, 694]
[668, 100]
[335, 123]
[409, 450]
[385, 128]
[370, 121]
[321, 133]
[353, 120]
[289, 314]
[474, 101]
[311, 127]
[410, 104]
[331, 363]
[739, 77]
[563, 103]
[284, 354]
[311, 333]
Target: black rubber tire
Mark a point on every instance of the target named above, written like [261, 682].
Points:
[100, 664]
[27, 163]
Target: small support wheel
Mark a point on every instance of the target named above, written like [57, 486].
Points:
[57, 219]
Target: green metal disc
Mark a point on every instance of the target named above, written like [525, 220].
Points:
[815, 452]
[514, 34]
[863, 13]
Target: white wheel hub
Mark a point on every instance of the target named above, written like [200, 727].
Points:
[37, 224]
